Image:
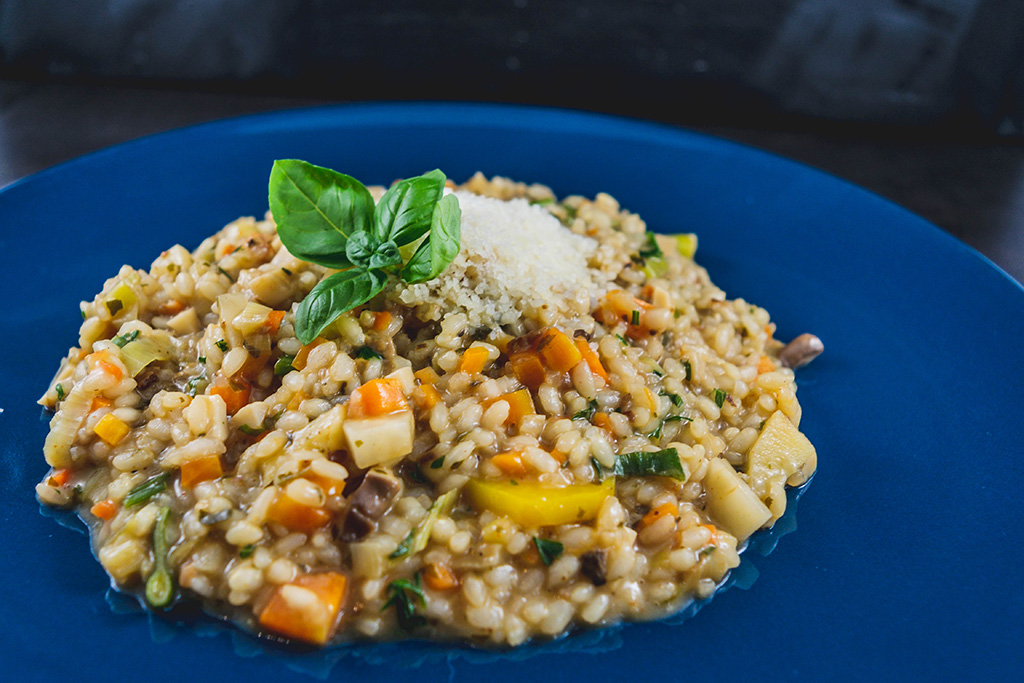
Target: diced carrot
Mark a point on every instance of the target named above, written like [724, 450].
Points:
[714, 533]
[520, 404]
[530, 556]
[273, 323]
[102, 360]
[59, 478]
[331, 487]
[111, 429]
[100, 402]
[252, 366]
[426, 375]
[296, 516]
[558, 351]
[439, 577]
[381, 321]
[308, 608]
[235, 392]
[510, 464]
[299, 362]
[105, 509]
[769, 329]
[589, 355]
[527, 368]
[603, 420]
[669, 509]
[426, 396]
[473, 360]
[205, 468]
[765, 365]
[559, 456]
[377, 397]
[171, 307]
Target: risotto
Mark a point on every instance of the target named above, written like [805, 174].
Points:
[569, 425]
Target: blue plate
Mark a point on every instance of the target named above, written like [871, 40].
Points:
[906, 565]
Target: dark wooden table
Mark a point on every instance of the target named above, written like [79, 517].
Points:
[972, 188]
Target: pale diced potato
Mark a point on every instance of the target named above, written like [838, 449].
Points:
[731, 503]
[379, 440]
[782, 453]
[325, 433]
[252, 318]
[405, 378]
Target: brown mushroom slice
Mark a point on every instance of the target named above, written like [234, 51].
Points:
[594, 566]
[370, 501]
[801, 351]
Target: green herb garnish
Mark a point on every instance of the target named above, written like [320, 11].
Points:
[663, 463]
[548, 550]
[634, 318]
[222, 345]
[60, 392]
[121, 340]
[329, 218]
[689, 370]
[676, 399]
[403, 548]
[247, 551]
[196, 384]
[650, 247]
[622, 339]
[366, 353]
[588, 412]
[146, 490]
[160, 585]
[404, 594]
[283, 365]
[598, 468]
[678, 418]
[437, 464]
[656, 434]
[719, 397]
[251, 431]
[225, 273]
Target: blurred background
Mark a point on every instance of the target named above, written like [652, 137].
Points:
[921, 101]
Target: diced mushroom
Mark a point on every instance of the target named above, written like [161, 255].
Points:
[594, 566]
[801, 351]
[370, 501]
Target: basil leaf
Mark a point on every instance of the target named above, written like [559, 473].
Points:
[385, 255]
[359, 249]
[405, 211]
[548, 550]
[442, 245]
[337, 294]
[316, 209]
[663, 463]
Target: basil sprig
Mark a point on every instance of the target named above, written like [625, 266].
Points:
[329, 218]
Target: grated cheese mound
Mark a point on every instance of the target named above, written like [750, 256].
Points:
[516, 260]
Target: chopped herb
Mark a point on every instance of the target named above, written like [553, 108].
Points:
[121, 340]
[222, 345]
[366, 353]
[403, 548]
[60, 392]
[761, 426]
[437, 464]
[656, 434]
[706, 551]
[160, 585]
[146, 490]
[663, 463]
[542, 202]
[202, 360]
[548, 550]
[622, 339]
[225, 273]
[246, 551]
[634, 318]
[404, 594]
[251, 431]
[114, 305]
[676, 399]
[416, 474]
[286, 271]
[689, 370]
[284, 365]
[719, 397]
[588, 412]
[650, 247]
[598, 468]
[678, 418]
[195, 385]
[82, 311]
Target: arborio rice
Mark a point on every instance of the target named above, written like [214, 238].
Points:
[571, 426]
